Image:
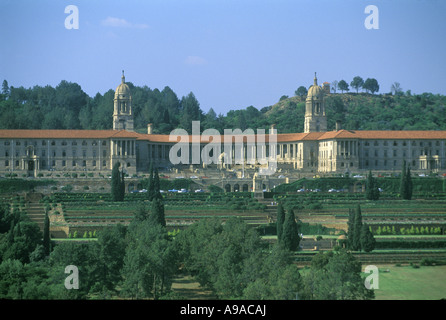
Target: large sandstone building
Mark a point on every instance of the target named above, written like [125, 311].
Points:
[316, 150]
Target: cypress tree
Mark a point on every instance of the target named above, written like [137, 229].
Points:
[156, 185]
[157, 212]
[46, 234]
[150, 187]
[351, 228]
[409, 184]
[290, 237]
[406, 183]
[367, 239]
[357, 229]
[279, 221]
[117, 183]
[372, 191]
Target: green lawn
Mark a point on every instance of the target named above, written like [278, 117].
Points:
[408, 283]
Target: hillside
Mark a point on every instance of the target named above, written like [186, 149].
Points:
[67, 106]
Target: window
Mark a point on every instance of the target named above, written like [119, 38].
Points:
[6, 163]
[64, 143]
[53, 143]
[84, 143]
[17, 143]
[43, 143]
[64, 154]
[94, 163]
[104, 153]
[7, 143]
[64, 163]
[73, 163]
[74, 143]
[104, 163]
[104, 143]
[84, 163]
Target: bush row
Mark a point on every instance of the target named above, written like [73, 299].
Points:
[411, 244]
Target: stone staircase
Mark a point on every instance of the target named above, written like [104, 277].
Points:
[271, 209]
[34, 209]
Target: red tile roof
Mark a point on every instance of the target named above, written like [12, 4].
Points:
[165, 138]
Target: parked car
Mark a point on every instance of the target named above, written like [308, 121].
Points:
[199, 190]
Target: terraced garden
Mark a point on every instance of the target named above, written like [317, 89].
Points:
[87, 212]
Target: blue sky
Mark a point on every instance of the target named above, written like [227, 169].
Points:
[230, 54]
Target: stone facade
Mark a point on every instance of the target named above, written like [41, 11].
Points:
[316, 150]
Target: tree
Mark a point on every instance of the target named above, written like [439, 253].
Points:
[371, 85]
[290, 237]
[46, 234]
[157, 212]
[405, 183]
[396, 89]
[111, 251]
[279, 221]
[150, 184]
[354, 229]
[5, 89]
[334, 85]
[357, 229]
[339, 279]
[357, 83]
[156, 186]
[367, 239]
[190, 112]
[117, 183]
[301, 92]
[343, 86]
[372, 191]
[150, 262]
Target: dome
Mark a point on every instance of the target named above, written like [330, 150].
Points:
[123, 89]
[315, 91]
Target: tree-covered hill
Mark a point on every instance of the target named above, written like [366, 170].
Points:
[67, 106]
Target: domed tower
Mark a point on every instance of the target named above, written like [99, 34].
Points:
[122, 114]
[315, 118]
